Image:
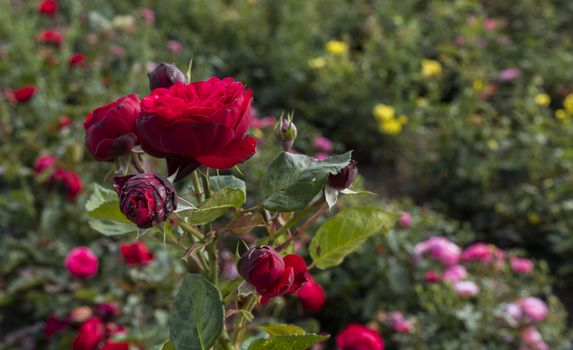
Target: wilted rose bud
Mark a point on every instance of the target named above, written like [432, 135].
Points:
[345, 177]
[145, 199]
[263, 267]
[164, 76]
[286, 132]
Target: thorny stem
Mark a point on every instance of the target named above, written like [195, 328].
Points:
[196, 186]
[303, 227]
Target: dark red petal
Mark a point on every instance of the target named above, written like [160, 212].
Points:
[299, 268]
[235, 153]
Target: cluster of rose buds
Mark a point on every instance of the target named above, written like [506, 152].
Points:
[270, 274]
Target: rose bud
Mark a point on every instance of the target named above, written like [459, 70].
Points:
[48, 7]
[50, 36]
[405, 220]
[110, 128]
[136, 254]
[358, 337]
[311, 295]
[263, 267]
[145, 199]
[203, 122]
[76, 59]
[81, 262]
[521, 265]
[70, 180]
[44, 162]
[345, 177]
[286, 132]
[90, 334]
[23, 94]
[55, 325]
[106, 312]
[165, 75]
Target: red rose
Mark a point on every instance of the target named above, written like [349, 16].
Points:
[70, 180]
[44, 162]
[199, 123]
[64, 122]
[271, 274]
[358, 337]
[145, 199]
[106, 312]
[48, 7]
[81, 262]
[24, 94]
[55, 325]
[90, 334]
[136, 253]
[110, 128]
[311, 295]
[50, 36]
[115, 346]
[76, 59]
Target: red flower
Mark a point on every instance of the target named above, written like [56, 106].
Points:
[136, 253]
[199, 123]
[311, 295]
[358, 337]
[24, 94]
[44, 162]
[271, 274]
[70, 180]
[90, 334]
[145, 199]
[81, 262]
[115, 346]
[64, 122]
[50, 36]
[110, 128]
[55, 325]
[48, 7]
[76, 59]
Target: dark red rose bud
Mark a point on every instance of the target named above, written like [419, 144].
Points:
[311, 295]
[48, 7]
[164, 76]
[263, 267]
[110, 129]
[145, 199]
[106, 312]
[345, 177]
[23, 94]
[90, 334]
[136, 254]
[55, 325]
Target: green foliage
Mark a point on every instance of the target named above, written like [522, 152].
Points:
[213, 208]
[106, 218]
[197, 315]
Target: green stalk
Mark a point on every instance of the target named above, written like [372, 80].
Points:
[240, 321]
[299, 216]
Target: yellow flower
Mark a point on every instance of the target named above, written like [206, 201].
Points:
[391, 127]
[431, 68]
[337, 47]
[421, 102]
[542, 100]
[561, 115]
[383, 112]
[402, 119]
[533, 218]
[317, 63]
[492, 144]
[568, 103]
[477, 85]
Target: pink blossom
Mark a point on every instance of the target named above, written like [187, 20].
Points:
[439, 249]
[322, 143]
[321, 156]
[454, 273]
[509, 74]
[533, 339]
[263, 123]
[174, 46]
[44, 162]
[405, 220]
[398, 322]
[490, 24]
[521, 265]
[459, 41]
[148, 15]
[466, 288]
[486, 254]
[81, 262]
[534, 308]
[431, 276]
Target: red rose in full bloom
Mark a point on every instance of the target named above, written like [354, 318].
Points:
[271, 274]
[311, 295]
[110, 128]
[136, 253]
[24, 94]
[48, 7]
[358, 337]
[81, 262]
[202, 122]
[76, 59]
[50, 36]
[70, 180]
[90, 334]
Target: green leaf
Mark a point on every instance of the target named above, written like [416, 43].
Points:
[197, 314]
[111, 228]
[105, 216]
[222, 181]
[345, 232]
[245, 223]
[292, 180]
[214, 207]
[167, 345]
[288, 342]
[99, 196]
[282, 329]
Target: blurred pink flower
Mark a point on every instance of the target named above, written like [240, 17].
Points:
[490, 24]
[431, 276]
[321, 156]
[459, 41]
[487, 254]
[405, 220]
[533, 308]
[439, 249]
[322, 143]
[521, 265]
[81, 262]
[174, 46]
[44, 162]
[466, 288]
[263, 123]
[533, 339]
[509, 74]
[148, 15]
[454, 274]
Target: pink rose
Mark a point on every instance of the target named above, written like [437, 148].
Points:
[454, 273]
[322, 143]
[533, 339]
[81, 262]
[439, 249]
[466, 288]
[534, 308]
[44, 162]
[405, 220]
[521, 265]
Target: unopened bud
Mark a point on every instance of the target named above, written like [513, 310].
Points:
[345, 177]
[286, 132]
[164, 76]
